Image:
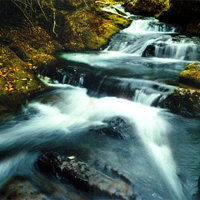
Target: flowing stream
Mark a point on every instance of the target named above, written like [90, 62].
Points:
[129, 79]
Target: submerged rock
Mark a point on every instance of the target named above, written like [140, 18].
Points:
[83, 176]
[36, 188]
[147, 7]
[185, 102]
[118, 127]
[191, 75]
[21, 188]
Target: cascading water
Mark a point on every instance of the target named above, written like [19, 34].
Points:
[136, 41]
[132, 67]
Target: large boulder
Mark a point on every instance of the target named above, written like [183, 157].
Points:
[86, 27]
[191, 75]
[118, 127]
[83, 176]
[147, 7]
[185, 102]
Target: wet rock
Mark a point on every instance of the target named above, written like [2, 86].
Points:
[118, 127]
[191, 75]
[84, 177]
[146, 7]
[185, 102]
[76, 172]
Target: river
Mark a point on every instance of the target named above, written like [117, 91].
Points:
[129, 79]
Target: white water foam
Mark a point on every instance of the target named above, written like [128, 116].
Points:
[79, 112]
[146, 99]
[148, 26]
[175, 49]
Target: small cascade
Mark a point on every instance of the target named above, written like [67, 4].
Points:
[146, 99]
[78, 112]
[150, 26]
[128, 80]
[150, 38]
[139, 35]
[181, 50]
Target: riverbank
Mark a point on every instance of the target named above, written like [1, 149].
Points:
[28, 42]
[102, 132]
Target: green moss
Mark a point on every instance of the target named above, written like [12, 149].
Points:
[185, 102]
[32, 45]
[191, 75]
[86, 29]
[18, 81]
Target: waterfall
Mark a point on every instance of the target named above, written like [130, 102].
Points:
[145, 99]
[149, 26]
[182, 50]
[127, 79]
[144, 38]
[149, 38]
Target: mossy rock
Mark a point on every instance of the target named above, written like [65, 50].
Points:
[88, 30]
[31, 44]
[147, 7]
[185, 102]
[87, 27]
[18, 80]
[191, 75]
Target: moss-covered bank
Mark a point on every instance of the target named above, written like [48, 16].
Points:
[147, 7]
[31, 34]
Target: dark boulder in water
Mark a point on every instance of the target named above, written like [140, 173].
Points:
[118, 127]
[83, 176]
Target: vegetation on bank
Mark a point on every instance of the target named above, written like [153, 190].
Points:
[32, 31]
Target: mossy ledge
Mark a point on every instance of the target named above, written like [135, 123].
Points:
[28, 43]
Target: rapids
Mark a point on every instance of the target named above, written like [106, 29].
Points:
[129, 79]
